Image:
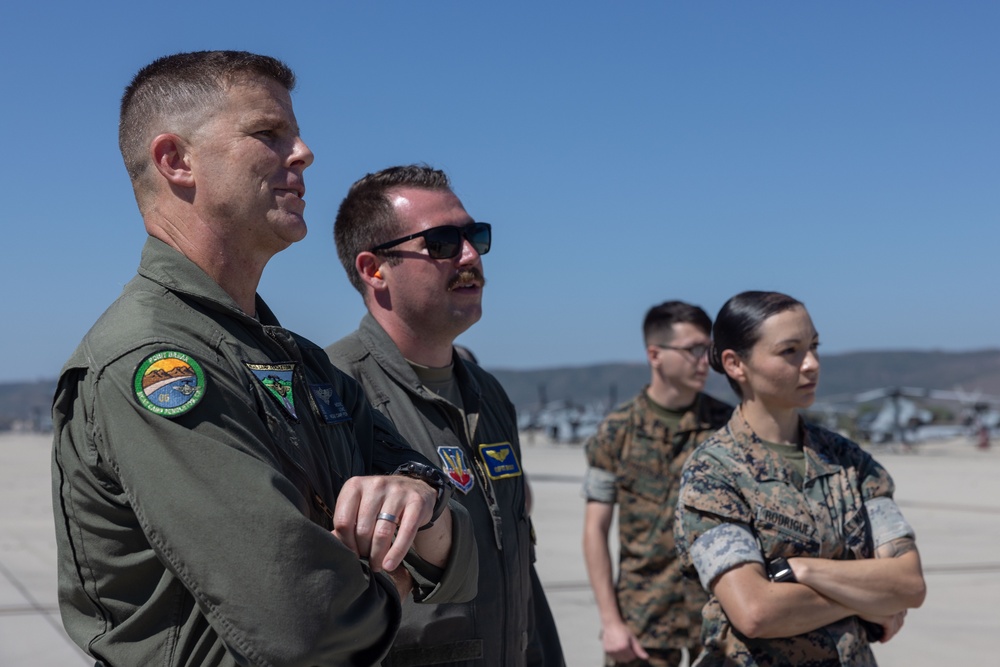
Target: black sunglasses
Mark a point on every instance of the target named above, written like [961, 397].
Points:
[445, 242]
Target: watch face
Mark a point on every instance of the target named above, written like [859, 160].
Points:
[779, 570]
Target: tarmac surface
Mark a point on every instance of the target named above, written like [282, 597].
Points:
[947, 491]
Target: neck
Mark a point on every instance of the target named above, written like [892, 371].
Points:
[669, 396]
[420, 349]
[774, 426]
[236, 271]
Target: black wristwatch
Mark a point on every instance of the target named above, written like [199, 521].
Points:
[437, 479]
[779, 570]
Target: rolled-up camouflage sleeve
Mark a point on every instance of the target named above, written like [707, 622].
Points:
[599, 485]
[877, 488]
[722, 548]
[886, 521]
[600, 481]
[711, 528]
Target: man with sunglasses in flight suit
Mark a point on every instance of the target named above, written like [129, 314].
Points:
[414, 253]
[635, 460]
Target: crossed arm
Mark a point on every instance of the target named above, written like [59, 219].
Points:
[878, 589]
[357, 525]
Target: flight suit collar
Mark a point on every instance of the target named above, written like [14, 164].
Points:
[383, 349]
[170, 268]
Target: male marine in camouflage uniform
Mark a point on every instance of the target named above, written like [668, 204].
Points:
[635, 460]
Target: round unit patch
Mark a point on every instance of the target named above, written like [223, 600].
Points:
[169, 383]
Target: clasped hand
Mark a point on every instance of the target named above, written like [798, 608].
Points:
[357, 524]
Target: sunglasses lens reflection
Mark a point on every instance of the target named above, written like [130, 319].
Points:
[446, 242]
[480, 236]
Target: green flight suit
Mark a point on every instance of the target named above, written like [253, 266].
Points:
[509, 623]
[198, 535]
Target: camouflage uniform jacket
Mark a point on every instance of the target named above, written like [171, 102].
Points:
[660, 605]
[733, 478]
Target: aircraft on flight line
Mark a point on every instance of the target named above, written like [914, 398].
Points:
[902, 416]
[566, 421]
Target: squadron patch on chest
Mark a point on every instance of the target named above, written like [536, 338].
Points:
[168, 383]
[500, 460]
[277, 380]
[331, 408]
[455, 464]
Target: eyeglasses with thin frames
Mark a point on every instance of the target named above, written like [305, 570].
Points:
[445, 242]
[697, 350]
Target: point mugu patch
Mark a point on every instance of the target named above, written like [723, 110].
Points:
[168, 383]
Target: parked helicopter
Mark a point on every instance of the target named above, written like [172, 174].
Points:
[904, 418]
[565, 421]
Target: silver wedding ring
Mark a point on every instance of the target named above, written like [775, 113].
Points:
[385, 516]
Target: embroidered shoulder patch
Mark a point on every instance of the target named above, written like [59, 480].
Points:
[168, 383]
[331, 408]
[500, 460]
[277, 379]
[456, 466]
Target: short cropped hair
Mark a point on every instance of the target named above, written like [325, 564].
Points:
[174, 90]
[366, 217]
[659, 320]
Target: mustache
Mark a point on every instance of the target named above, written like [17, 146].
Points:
[466, 276]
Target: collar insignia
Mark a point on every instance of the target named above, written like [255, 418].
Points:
[454, 464]
[168, 383]
[500, 460]
[277, 379]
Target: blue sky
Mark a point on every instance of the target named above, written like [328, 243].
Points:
[626, 153]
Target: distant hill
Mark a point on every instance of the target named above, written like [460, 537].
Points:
[24, 403]
[848, 373]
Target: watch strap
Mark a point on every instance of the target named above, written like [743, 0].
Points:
[433, 477]
[778, 570]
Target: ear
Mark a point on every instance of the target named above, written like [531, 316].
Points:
[652, 355]
[369, 267]
[734, 366]
[171, 158]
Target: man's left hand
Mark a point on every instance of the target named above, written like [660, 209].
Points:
[383, 542]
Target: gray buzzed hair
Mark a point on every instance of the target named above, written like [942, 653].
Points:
[175, 88]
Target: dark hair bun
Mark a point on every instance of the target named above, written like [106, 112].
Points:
[715, 359]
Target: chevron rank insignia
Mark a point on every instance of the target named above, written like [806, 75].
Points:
[500, 460]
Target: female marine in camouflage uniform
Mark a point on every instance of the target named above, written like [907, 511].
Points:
[791, 528]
